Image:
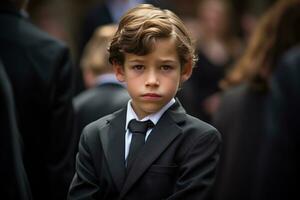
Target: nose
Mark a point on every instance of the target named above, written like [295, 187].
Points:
[152, 79]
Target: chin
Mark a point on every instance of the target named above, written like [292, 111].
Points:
[150, 108]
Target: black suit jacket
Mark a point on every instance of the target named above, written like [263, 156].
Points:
[39, 69]
[14, 183]
[97, 102]
[178, 160]
[241, 120]
[279, 172]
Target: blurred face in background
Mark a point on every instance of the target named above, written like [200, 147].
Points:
[212, 16]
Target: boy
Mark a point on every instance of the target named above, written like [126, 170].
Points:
[152, 53]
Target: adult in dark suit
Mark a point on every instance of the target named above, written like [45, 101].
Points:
[241, 121]
[280, 171]
[14, 183]
[101, 167]
[105, 94]
[39, 69]
[242, 114]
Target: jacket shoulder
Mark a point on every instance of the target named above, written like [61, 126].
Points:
[94, 128]
[200, 128]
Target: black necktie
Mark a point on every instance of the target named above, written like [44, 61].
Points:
[138, 130]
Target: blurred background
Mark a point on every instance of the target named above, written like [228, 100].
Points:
[64, 18]
[73, 21]
[246, 81]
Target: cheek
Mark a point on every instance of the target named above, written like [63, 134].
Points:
[171, 84]
[132, 87]
[133, 81]
[175, 79]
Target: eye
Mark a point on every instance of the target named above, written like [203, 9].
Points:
[138, 67]
[166, 67]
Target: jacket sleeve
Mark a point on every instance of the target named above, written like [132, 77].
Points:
[60, 145]
[198, 169]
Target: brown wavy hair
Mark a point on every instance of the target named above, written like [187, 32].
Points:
[140, 28]
[277, 31]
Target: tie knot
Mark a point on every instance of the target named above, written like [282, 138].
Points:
[135, 126]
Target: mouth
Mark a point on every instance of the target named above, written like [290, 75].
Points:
[151, 96]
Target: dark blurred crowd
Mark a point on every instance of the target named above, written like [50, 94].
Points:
[54, 82]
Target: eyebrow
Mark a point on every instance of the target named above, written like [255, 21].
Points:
[168, 61]
[160, 60]
[136, 60]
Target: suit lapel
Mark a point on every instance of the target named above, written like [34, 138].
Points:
[113, 142]
[165, 131]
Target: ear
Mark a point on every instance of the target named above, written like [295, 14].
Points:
[186, 71]
[119, 71]
[89, 78]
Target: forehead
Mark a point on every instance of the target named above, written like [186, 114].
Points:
[162, 50]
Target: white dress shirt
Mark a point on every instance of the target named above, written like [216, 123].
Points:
[153, 117]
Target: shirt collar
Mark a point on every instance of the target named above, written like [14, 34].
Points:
[153, 117]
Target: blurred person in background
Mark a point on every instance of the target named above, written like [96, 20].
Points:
[14, 182]
[247, 23]
[281, 171]
[39, 69]
[217, 48]
[244, 106]
[105, 94]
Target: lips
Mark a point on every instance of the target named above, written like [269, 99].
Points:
[151, 96]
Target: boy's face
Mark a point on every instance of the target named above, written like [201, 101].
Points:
[153, 79]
